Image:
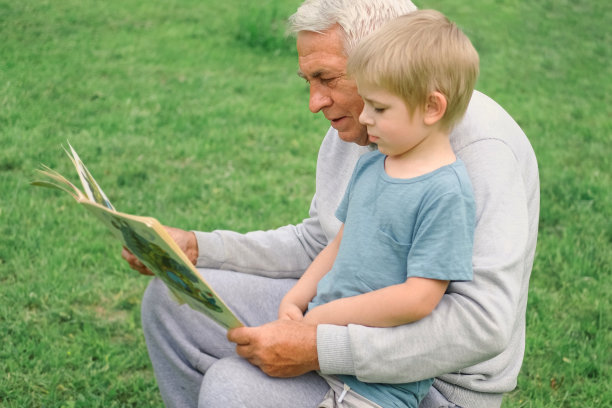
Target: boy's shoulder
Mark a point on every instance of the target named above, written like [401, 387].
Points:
[453, 180]
[371, 157]
[369, 162]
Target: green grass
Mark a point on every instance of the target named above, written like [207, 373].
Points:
[191, 111]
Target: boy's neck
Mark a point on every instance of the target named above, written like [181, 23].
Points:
[434, 153]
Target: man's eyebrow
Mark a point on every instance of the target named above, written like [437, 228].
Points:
[315, 75]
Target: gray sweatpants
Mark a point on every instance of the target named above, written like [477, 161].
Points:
[195, 365]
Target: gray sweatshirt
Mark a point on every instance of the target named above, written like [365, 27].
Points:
[473, 342]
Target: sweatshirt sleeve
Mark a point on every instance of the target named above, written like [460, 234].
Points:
[478, 327]
[279, 253]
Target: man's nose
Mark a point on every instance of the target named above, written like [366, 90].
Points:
[319, 97]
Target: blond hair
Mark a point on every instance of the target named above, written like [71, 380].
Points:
[415, 55]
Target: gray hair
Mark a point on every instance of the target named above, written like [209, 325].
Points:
[357, 18]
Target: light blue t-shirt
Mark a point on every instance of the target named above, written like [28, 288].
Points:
[395, 229]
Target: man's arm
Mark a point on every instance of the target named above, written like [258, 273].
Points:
[279, 253]
[284, 252]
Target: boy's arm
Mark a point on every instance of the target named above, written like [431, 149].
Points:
[390, 306]
[295, 302]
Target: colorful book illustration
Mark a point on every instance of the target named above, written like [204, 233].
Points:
[148, 240]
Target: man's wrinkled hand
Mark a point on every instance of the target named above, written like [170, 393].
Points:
[283, 348]
[135, 263]
[185, 240]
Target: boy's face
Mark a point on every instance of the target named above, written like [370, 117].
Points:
[323, 64]
[390, 123]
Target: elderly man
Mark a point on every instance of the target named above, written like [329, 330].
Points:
[473, 342]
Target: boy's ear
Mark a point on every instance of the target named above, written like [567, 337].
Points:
[435, 108]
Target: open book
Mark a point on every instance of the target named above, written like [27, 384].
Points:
[148, 240]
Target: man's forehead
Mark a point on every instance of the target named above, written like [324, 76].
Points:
[321, 64]
[320, 53]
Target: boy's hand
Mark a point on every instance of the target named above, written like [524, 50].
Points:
[289, 311]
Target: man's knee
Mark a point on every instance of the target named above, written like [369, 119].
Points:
[224, 384]
[233, 382]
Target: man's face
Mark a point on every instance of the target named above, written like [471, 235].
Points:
[323, 64]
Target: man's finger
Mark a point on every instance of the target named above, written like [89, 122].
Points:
[145, 271]
[245, 352]
[239, 336]
[130, 258]
[135, 263]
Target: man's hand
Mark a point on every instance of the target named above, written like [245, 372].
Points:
[186, 240]
[283, 348]
[134, 263]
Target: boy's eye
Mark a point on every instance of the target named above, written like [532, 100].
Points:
[379, 110]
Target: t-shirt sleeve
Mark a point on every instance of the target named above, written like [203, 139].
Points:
[444, 239]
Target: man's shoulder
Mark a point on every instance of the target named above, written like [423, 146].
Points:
[487, 124]
[492, 145]
[485, 119]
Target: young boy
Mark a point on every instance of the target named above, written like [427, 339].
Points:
[408, 212]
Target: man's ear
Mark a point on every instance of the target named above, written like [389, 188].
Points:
[435, 108]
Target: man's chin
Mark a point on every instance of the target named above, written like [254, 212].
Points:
[360, 138]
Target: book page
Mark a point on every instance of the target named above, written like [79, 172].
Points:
[57, 181]
[90, 186]
[148, 240]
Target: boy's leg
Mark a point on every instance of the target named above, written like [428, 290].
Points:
[183, 343]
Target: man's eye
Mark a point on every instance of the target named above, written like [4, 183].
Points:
[328, 81]
[379, 110]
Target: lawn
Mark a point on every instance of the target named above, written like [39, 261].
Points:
[190, 111]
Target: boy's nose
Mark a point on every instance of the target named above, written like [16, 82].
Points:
[364, 118]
